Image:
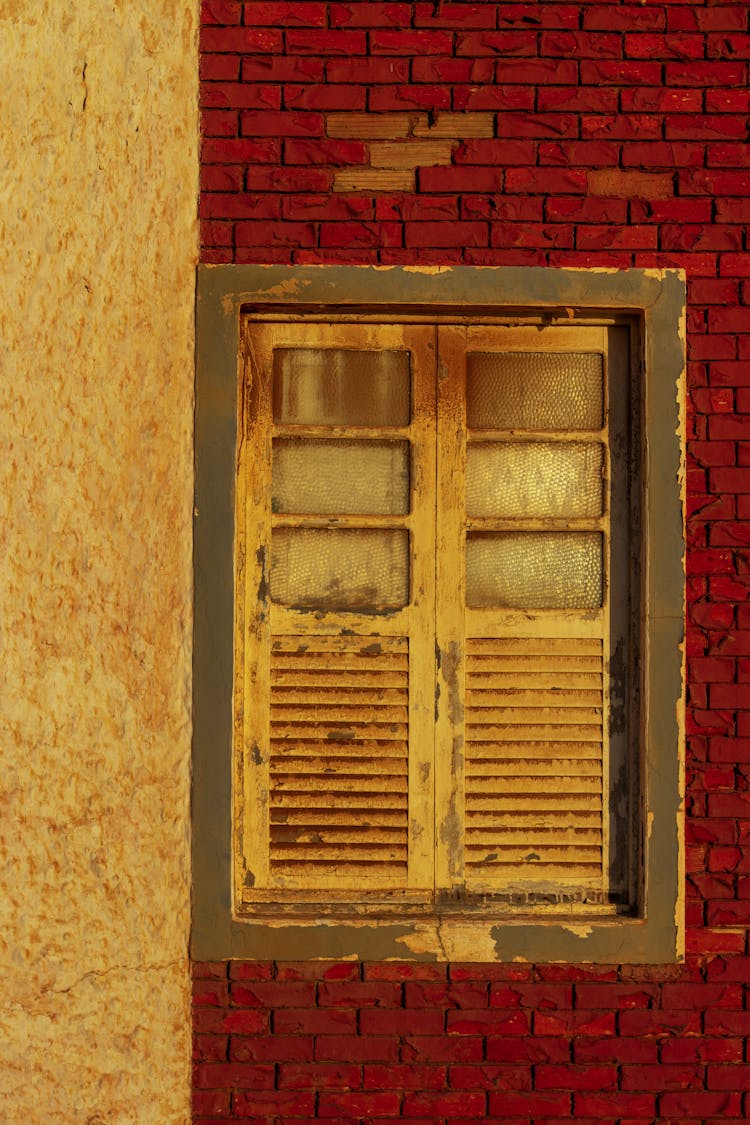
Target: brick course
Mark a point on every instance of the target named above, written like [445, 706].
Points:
[569, 133]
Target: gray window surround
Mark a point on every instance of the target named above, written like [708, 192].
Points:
[657, 298]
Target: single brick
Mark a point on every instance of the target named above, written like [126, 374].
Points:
[550, 1048]
[459, 1103]
[323, 1076]
[526, 1105]
[503, 44]
[351, 1048]
[384, 99]
[355, 1104]
[314, 1021]
[614, 1105]
[378, 179]
[285, 123]
[441, 1048]
[271, 1104]
[630, 184]
[316, 42]
[404, 1077]
[514, 1078]
[243, 1076]
[664, 1076]
[387, 42]
[373, 14]
[410, 154]
[325, 97]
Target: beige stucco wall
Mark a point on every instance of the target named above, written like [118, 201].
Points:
[97, 252]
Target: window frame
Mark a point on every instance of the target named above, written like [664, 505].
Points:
[657, 299]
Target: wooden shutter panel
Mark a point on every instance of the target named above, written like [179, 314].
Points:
[524, 571]
[336, 638]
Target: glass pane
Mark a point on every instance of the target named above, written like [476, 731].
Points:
[534, 479]
[340, 477]
[333, 387]
[534, 570]
[337, 569]
[535, 390]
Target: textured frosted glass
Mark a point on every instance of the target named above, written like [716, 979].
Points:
[330, 386]
[534, 570]
[534, 479]
[340, 477]
[535, 390]
[332, 569]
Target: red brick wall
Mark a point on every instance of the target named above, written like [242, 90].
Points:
[596, 134]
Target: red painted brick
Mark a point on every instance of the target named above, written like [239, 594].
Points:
[665, 1076]
[405, 1077]
[463, 1103]
[401, 98]
[314, 1021]
[351, 1048]
[278, 13]
[271, 1048]
[626, 73]
[281, 124]
[436, 68]
[578, 99]
[542, 996]
[523, 1105]
[529, 1049]
[325, 97]
[484, 97]
[615, 1050]
[614, 1105]
[579, 1022]
[514, 1078]
[657, 99]
[272, 1103]
[432, 995]
[239, 95]
[442, 1049]
[646, 1022]
[243, 1076]
[458, 15]
[215, 1102]
[241, 40]
[494, 1022]
[710, 74]
[380, 71]
[404, 970]
[549, 1077]
[323, 1076]
[692, 1103]
[373, 14]
[326, 42]
[232, 151]
[277, 68]
[446, 234]
[702, 1050]
[627, 18]
[387, 1021]
[353, 1105]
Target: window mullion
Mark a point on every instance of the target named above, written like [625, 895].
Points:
[450, 601]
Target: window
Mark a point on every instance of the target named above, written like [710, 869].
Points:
[446, 738]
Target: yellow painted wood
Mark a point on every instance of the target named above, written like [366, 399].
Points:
[368, 763]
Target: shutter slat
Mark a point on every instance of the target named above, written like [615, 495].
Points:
[534, 746]
[339, 760]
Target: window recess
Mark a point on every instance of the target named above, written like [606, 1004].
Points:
[430, 612]
[439, 610]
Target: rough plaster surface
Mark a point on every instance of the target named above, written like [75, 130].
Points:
[98, 142]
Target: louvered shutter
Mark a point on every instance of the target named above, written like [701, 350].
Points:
[336, 626]
[526, 607]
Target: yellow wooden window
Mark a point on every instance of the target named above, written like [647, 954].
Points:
[433, 559]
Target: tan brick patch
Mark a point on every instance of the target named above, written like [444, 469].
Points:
[379, 179]
[411, 154]
[363, 126]
[458, 125]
